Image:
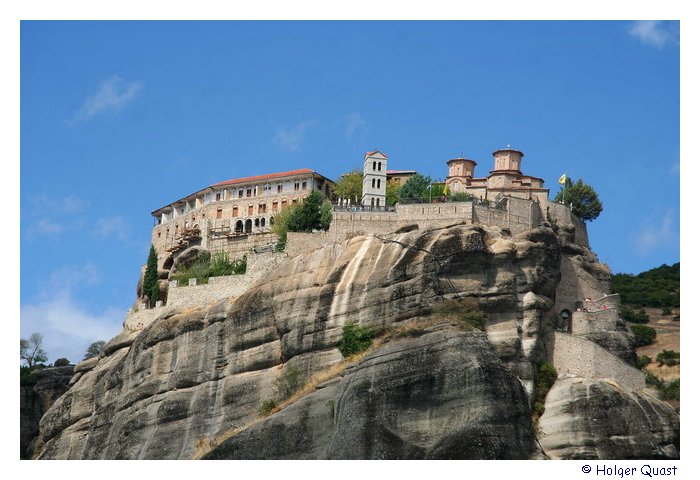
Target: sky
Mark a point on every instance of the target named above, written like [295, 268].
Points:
[120, 118]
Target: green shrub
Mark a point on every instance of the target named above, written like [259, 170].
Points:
[545, 376]
[266, 407]
[668, 391]
[199, 269]
[356, 339]
[643, 361]
[26, 377]
[289, 381]
[460, 197]
[629, 315]
[220, 265]
[668, 357]
[672, 391]
[643, 335]
[240, 266]
[666, 311]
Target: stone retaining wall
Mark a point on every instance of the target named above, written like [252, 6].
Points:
[300, 242]
[578, 357]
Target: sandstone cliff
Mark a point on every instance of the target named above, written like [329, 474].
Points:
[200, 374]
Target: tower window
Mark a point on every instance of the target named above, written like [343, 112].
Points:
[374, 165]
[379, 166]
[373, 181]
[379, 183]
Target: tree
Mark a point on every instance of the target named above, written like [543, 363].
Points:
[415, 187]
[349, 185]
[308, 216]
[150, 278]
[61, 362]
[584, 200]
[393, 187]
[30, 350]
[94, 349]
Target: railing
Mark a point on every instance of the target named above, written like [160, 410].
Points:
[362, 208]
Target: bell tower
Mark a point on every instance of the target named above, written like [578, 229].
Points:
[374, 179]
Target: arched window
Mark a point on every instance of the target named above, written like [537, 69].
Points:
[379, 183]
[373, 183]
[372, 202]
[374, 165]
[257, 222]
[379, 166]
[239, 226]
[248, 226]
[262, 222]
[272, 220]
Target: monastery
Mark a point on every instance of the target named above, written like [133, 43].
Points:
[235, 216]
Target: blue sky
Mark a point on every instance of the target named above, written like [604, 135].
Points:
[120, 118]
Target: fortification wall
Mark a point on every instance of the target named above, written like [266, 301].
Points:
[583, 323]
[350, 224]
[300, 242]
[431, 215]
[578, 357]
[236, 247]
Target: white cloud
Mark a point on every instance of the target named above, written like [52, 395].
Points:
[652, 236]
[45, 226]
[113, 227]
[111, 96]
[54, 215]
[68, 328]
[354, 123]
[290, 138]
[655, 32]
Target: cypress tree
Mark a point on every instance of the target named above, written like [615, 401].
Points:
[150, 278]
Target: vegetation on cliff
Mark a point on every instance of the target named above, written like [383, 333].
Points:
[659, 287]
[207, 266]
[31, 351]
[314, 213]
[151, 287]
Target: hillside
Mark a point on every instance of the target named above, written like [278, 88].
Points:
[659, 287]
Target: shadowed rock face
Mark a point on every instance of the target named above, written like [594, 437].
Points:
[444, 395]
[194, 374]
[592, 419]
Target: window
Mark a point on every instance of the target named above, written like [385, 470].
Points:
[250, 209]
[274, 206]
[374, 165]
[219, 213]
[248, 192]
[158, 234]
[284, 203]
[234, 212]
[267, 187]
[218, 196]
[262, 208]
[294, 201]
[262, 222]
[379, 183]
[303, 185]
[279, 188]
[240, 193]
[296, 186]
[373, 181]
[379, 166]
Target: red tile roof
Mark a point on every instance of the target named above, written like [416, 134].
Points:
[269, 176]
[372, 153]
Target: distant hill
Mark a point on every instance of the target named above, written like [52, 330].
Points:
[658, 287]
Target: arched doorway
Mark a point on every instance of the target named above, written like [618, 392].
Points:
[262, 222]
[239, 226]
[564, 321]
[248, 226]
[257, 222]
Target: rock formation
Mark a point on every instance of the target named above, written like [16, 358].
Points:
[196, 375]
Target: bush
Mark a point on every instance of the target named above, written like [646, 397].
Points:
[643, 335]
[61, 362]
[672, 391]
[26, 377]
[659, 287]
[266, 407]
[545, 376]
[289, 381]
[668, 391]
[460, 197]
[356, 339]
[643, 361]
[668, 357]
[666, 311]
[629, 315]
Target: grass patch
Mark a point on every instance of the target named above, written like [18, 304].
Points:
[266, 408]
[206, 266]
[464, 313]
